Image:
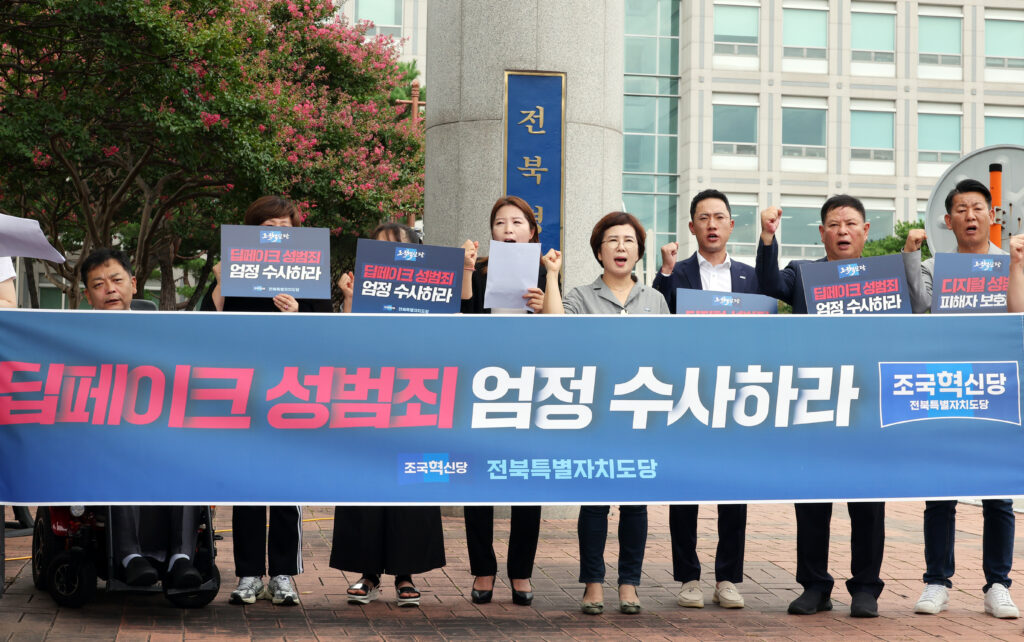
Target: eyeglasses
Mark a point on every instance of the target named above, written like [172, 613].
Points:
[704, 218]
[626, 242]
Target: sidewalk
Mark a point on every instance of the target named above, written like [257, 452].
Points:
[446, 611]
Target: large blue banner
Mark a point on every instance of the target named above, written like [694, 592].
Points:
[534, 147]
[100, 407]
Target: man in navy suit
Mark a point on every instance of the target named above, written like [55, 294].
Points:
[843, 232]
[710, 268]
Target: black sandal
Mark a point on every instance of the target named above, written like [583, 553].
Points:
[407, 595]
[370, 587]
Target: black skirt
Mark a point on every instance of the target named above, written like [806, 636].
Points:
[384, 540]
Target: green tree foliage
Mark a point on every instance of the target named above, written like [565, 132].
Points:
[403, 91]
[894, 244]
[148, 123]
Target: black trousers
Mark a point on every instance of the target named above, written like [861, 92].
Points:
[867, 539]
[732, 534]
[522, 541]
[254, 548]
[140, 529]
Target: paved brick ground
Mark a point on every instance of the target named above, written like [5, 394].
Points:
[446, 612]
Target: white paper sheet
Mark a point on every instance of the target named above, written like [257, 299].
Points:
[22, 237]
[512, 269]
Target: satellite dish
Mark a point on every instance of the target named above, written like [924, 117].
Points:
[1009, 203]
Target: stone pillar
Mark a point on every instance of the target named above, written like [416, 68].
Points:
[470, 45]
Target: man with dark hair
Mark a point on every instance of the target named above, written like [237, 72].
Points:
[110, 285]
[843, 232]
[108, 279]
[709, 268]
[969, 214]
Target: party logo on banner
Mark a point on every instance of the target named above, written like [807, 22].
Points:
[916, 391]
[428, 468]
[851, 269]
[273, 236]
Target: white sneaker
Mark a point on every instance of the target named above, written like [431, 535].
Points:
[249, 589]
[728, 596]
[282, 592]
[691, 596]
[999, 604]
[933, 599]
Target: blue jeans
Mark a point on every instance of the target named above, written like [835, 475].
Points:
[592, 527]
[997, 541]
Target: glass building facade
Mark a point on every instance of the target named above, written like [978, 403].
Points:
[785, 102]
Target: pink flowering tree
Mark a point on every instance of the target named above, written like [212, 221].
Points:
[148, 123]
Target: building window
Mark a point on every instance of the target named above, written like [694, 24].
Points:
[798, 235]
[805, 33]
[736, 29]
[881, 214]
[386, 16]
[657, 212]
[803, 128]
[650, 122]
[939, 36]
[873, 32]
[652, 37]
[938, 133]
[650, 127]
[734, 125]
[1004, 126]
[871, 134]
[1004, 39]
[747, 225]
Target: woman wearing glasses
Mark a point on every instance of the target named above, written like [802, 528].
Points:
[618, 243]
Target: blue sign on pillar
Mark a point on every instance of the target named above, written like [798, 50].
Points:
[535, 147]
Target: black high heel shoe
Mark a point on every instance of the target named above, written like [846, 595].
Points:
[522, 598]
[482, 596]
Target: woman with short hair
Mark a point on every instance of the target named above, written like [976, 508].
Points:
[257, 550]
[618, 244]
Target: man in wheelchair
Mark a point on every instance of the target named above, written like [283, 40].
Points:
[166, 534]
